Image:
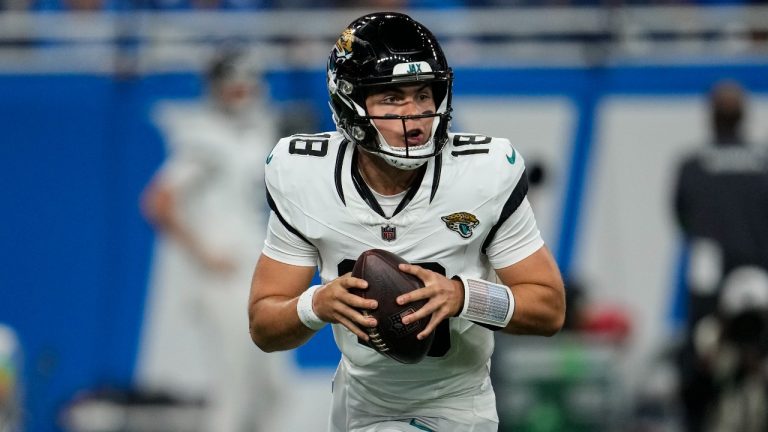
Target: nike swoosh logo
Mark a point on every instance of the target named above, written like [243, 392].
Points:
[418, 425]
[511, 159]
[269, 158]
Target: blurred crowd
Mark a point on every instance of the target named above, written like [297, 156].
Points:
[255, 5]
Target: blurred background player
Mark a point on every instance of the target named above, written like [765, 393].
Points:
[207, 203]
[721, 205]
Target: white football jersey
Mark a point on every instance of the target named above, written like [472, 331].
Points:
[447, 222]
[215, 164]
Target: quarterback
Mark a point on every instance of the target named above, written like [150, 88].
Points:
[452, 204]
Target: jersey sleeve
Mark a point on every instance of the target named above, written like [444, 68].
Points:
[285, 179]
[515, 234]
[284, 246]
[517, 238]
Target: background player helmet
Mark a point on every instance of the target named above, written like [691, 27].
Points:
[381, 49]
[232, 80]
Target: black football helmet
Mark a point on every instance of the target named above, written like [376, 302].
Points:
[383, 49]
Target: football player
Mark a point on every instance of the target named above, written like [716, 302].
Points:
[206, 203]
[393, 177]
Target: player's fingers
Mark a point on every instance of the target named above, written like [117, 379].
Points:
[425, 311]
[433, 322]
[353, 328]
[338, 290]
[354, 321]
[418, 271]
[353, 315]
[347, 281]
[417, 294]
[353, 283]
[358, 302]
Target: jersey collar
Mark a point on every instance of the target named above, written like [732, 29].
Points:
[365, 192]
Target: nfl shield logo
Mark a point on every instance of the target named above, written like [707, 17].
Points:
[388, 233]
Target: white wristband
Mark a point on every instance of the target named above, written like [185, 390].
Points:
[307, 315]
[487, 302]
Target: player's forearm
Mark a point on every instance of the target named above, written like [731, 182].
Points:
[275, 324]
[539, 310]
[183, 236]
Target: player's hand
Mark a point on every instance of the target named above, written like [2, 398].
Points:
[335, 304]
[445, 298]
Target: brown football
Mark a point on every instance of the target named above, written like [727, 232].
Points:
[385, 283]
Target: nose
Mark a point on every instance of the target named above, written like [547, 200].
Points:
[411, 107]
[417, 107]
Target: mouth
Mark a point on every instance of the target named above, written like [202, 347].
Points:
[414, 137]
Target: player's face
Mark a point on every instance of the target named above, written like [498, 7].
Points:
[235, 95]
[403, 101]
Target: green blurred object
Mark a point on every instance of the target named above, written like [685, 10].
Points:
[565, 383]
[10, 384]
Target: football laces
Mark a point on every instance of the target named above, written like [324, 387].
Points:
[376, 340]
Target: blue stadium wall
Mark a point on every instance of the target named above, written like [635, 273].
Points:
[76, 151]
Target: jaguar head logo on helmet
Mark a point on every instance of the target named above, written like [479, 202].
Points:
[343, 46]
[389, 50]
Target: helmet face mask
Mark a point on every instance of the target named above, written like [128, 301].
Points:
[385, 50]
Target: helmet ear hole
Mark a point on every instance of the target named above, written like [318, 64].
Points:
[345, 87]
[358, 133]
